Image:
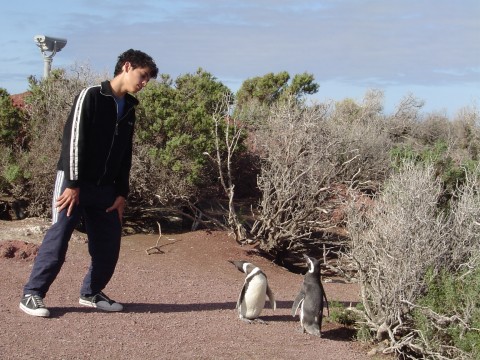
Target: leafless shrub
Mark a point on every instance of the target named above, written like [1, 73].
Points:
[362, 136]
[296, 171]
[434, 127]
[156, 189]
[466, 127]
[401, 237]
[370, 107]
[173, 189]
[464, 247]
[393, 244]
[304, 149]
[407, 113]
[455, 319]
[232, 133]
[145, 177]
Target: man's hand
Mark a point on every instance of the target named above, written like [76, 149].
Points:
[68, 200]
[119, 205]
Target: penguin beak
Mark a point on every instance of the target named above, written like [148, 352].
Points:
[238, 264]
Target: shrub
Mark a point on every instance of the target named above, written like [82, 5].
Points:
[393, 244]
[11, 122]
[176, 129]
[361, 140]
[440, 155]
[448, 316]
[410, 252]
[296, 171]
[341, 315]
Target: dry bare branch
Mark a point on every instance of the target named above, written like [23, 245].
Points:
[157, 248]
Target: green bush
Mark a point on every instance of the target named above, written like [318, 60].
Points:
[176, 124]
[451, 326]
[340, 314]
[431, 154]
[12, 173]
[11, 121]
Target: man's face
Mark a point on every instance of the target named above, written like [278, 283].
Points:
[137, 78]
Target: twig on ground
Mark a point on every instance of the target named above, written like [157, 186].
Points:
[156, 249]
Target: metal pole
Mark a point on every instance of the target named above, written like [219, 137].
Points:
[47, 66]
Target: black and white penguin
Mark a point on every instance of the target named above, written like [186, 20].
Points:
[311, 299]
[251, 300]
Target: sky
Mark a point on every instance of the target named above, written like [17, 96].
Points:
[427, 48]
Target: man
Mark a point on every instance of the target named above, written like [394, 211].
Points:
[92, 182]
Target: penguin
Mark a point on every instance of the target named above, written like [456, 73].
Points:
[251, 300]
[311, 299]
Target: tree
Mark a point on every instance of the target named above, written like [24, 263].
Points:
[271, 87]
[12, 142]
[11, 121]
[176, 126]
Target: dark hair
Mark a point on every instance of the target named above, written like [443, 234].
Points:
[138, 59]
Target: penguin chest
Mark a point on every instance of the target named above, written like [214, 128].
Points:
[254, 297]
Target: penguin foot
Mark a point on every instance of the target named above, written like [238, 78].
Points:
[248, 321]
[300, 330]
[251, 321]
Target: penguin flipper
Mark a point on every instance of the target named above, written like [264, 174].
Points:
[298, 301]
[271, 298]
[242, 295]
[325, 297]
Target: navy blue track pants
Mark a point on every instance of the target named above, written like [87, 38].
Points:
[104, 232]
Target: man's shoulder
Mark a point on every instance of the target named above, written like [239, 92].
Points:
[92, 89]
[88, 92]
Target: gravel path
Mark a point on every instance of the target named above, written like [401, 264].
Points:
[179, 304]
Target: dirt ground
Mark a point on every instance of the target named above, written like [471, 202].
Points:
[179, 304]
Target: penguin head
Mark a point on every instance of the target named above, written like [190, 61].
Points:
[243, 266]
[313, 264]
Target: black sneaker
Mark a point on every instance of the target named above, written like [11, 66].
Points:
[33, 305]
[100, 301]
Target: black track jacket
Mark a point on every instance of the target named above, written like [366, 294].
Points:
[96, 147]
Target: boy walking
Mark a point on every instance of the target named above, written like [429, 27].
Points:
[92, 181]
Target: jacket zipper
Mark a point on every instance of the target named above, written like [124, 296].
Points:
[113, 140]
